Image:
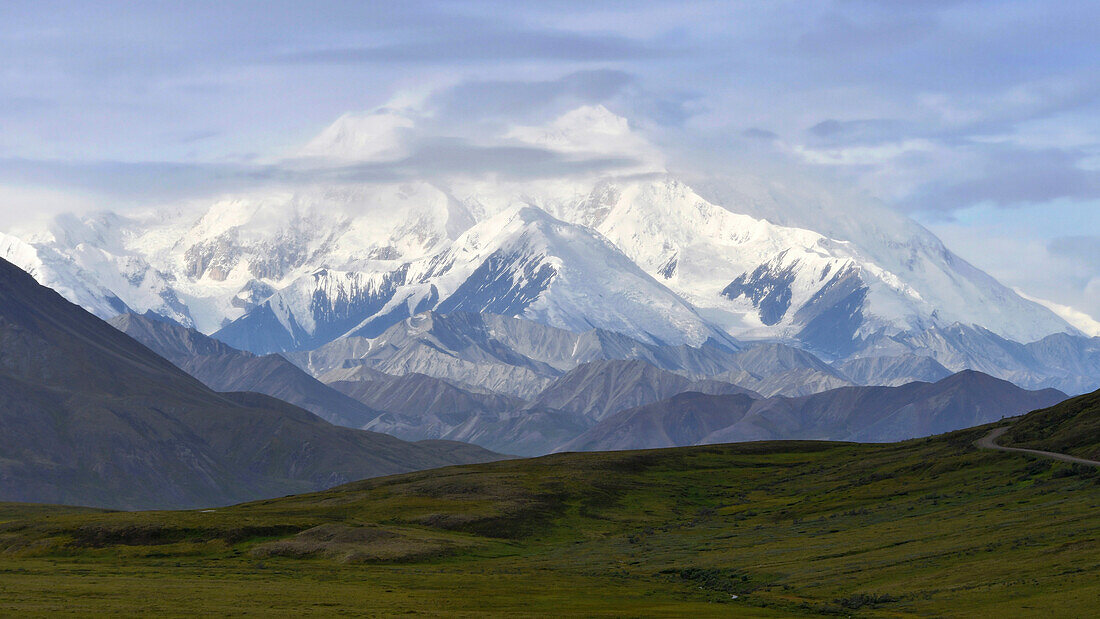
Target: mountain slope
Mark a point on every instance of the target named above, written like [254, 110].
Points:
[224, 368]
[412, 407]
[680, 420]
[778, 369]
[892, 371]
[848, 413]
[905, 257]
[600, 388]
[421, 394]
[1068, 362]
[498, 353]
[422, 407]
[528, 432]
[93, 417]
[463, 348]
[768, 359]
[522, 262]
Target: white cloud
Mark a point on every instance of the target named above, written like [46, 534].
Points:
[592, 130]
[26, 208]
[880, 154]
[378, 135]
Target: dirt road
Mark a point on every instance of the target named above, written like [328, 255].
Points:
[989, 441]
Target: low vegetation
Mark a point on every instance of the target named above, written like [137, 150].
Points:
[926, 527]
[1071, 427]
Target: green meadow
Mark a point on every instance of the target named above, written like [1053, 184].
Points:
[931, 527]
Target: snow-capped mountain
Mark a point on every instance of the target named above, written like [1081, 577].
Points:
[520, 262]
[632, 249]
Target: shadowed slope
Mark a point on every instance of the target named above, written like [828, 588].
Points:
[601, 388]
[224, 368]
[848, 413]
[91, 416]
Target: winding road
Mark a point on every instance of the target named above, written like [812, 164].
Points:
[989, 441]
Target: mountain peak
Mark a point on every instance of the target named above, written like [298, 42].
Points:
[639, 252]
[364, 136]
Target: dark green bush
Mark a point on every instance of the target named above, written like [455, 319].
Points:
[726, 581]
[860, 600]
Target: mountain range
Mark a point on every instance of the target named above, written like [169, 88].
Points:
[864, 414]
[92, 417]
[663, 258]
[509, 355]
[603, 403]
[418, 406]
[588, 311]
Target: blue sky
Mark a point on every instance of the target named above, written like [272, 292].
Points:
[979, 119]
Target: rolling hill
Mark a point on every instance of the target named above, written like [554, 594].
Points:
[928, 527]
[1071, 427]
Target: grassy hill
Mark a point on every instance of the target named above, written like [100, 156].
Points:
[1071, 427]
[926, 527]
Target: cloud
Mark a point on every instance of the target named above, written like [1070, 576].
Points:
[423, 159]
[1080, 247]
[756, 133]
[865, 155]
[457, 45]
[25, 208]
[519, 99]
[865, 32]
[1007, 176]
[443, 157]
[996, 110]
[132, 182]
[863, 131]
[1061, 271]
[463, 107]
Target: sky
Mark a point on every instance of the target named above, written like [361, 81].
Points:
[979, 119]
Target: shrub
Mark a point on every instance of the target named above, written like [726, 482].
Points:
[860, 600]
[714, 579]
